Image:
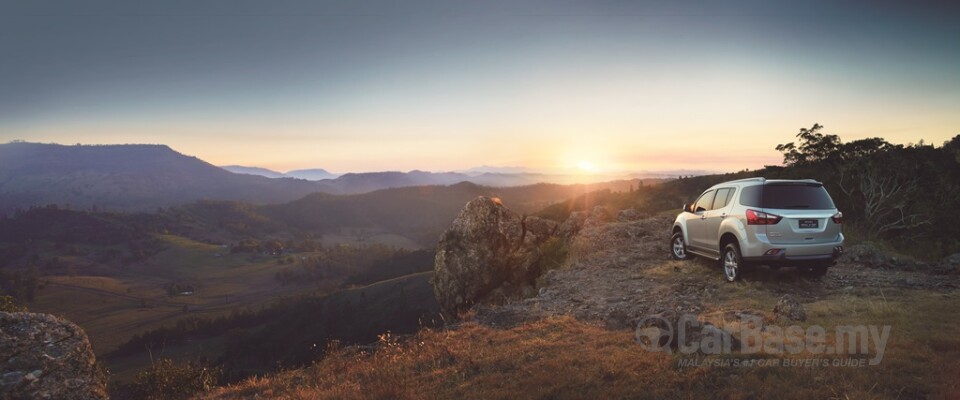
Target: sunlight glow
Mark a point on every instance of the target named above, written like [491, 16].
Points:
[586, 166]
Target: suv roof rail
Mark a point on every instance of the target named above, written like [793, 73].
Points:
[756, 179]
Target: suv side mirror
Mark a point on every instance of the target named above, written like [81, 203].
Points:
[686, 207]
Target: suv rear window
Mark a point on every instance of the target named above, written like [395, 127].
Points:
[795, 196]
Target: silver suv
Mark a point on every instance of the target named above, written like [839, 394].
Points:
[761, 222]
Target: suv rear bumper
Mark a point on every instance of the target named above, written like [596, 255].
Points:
[796, 254]
[784, 260]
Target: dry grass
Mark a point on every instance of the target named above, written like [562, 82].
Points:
[562, 358]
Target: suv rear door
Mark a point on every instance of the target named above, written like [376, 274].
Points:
[712, 219]
[695, 224]
[805, 207]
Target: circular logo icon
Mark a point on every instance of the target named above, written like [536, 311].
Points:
[654, 333]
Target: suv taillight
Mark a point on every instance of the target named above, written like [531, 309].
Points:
[837, 218]
[762, 218]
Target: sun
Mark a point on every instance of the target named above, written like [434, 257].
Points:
[586, 166]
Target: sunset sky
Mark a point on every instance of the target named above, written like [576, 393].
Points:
[441, 85]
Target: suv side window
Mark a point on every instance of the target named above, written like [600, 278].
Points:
[723, 198]
[750, 196]
[704, 202]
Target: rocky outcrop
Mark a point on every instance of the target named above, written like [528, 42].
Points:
[789, 308]
[491, 254]
[44, 357]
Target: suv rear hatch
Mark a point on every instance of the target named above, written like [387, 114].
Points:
[806, 210]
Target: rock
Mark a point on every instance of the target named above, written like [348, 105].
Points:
[950, 264]
[868, 255]
[44, 357]
[789, 308]
[597, 216]
[33, 375]
[489, 254]
[11, 378]
[573, 225]
[628, 215]
[952, 260]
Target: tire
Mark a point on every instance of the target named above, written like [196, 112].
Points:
[731, 262]
[678, 248]
[814, 272]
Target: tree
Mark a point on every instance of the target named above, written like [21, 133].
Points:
[879, 190]
[885, 201]
[814, 146]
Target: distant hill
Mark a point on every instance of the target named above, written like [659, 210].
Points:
[354, 183]
[365, 182]
[126, 178]
[239, 169]
[315, 174]
[487, 169]
[420, 213]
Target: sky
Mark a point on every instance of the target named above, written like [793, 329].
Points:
[448, 85]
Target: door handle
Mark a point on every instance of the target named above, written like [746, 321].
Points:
[704, 216]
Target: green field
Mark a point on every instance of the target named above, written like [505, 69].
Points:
[113, 309]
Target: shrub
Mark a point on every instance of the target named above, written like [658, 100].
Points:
[10, 304]
[169, 379]
[553, 253]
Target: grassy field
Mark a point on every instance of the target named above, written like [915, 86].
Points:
[353, 236]
[562, 358]
[113, 309]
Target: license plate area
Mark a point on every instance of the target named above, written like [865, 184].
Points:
[809, 224]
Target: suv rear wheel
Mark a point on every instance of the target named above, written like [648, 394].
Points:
[678, 248]
[731, 262]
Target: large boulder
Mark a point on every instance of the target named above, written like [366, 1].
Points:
[489, 254]
[44, 357]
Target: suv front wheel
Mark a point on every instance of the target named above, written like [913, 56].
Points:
[731, 262]
[678, 248]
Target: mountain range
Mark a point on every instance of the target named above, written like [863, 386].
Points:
[314, 174]
[145, 177]
[363, 182]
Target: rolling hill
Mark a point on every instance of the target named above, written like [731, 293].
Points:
[126, 178]
[420, 213]
[239, 169]
[315, 174]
